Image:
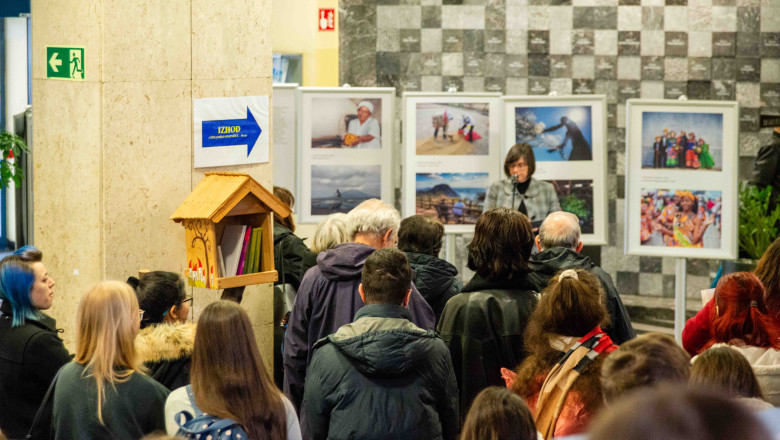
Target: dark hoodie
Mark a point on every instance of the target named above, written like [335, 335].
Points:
[547, 263]
[327, 299]
[435, 279]
[381, 377]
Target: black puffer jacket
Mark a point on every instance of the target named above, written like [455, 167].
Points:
[483, 327]
[30, 356]
[289, 255]
[380, 377]
[435, 279]
[551, 261]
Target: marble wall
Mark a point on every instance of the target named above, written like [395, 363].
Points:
[113, 154]
[705, 49]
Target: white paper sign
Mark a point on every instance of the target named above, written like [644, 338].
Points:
[230, 131]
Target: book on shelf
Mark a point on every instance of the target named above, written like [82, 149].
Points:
[242, 260]
[232, 243]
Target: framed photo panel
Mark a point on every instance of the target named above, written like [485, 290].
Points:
[345, 149]
[681, 178]
[568, 137]
[451, 154]
[283, 126]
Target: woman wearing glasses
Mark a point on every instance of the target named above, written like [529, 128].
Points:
[166, 339]
[521, 192]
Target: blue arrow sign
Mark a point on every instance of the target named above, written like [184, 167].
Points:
[229, 132]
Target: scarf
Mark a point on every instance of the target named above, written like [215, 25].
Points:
[559, 381]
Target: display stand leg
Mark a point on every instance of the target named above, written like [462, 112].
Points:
[679, 299]
[449, 252]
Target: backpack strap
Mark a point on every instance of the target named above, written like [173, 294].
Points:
[191, 395]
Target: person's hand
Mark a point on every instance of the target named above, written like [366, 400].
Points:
[710, 220]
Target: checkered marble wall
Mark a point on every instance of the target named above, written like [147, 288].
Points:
[705, 49]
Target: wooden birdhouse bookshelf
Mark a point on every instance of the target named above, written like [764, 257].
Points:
[222, 202]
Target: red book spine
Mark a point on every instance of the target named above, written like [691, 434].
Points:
[242, 260]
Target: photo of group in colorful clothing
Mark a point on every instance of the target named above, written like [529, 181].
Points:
[681, 218]
[685, 141]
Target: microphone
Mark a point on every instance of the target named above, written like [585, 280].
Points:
[514, 178]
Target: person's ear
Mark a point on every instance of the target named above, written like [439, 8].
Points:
[580, 245]
[407, 297]
[362, 293]
[538, 244]
[386, 238]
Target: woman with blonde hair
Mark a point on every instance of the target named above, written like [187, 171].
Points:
[103, 393]
[229, 379]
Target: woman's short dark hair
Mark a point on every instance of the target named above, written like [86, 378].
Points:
[521, 150]
[157, 292]
[726, 369]
[498, 413]
[421, 235]
[502, 244]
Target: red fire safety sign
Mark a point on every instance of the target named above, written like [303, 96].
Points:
[327, 19]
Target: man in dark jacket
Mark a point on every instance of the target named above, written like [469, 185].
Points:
[328, 296]
[559, 245]
[421, 238]
[381, 377]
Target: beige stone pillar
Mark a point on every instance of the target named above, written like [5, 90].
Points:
[113, 153]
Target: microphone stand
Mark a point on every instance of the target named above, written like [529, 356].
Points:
[514, 189]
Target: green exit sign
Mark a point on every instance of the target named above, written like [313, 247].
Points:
[65, 63]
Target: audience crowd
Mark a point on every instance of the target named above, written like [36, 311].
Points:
[375, 342]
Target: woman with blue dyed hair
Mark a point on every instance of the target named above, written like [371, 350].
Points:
[31, 351]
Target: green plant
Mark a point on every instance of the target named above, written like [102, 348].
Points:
[11, 146]
[756, 224]
[571, 203]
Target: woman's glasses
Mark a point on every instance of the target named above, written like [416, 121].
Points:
[186, 300]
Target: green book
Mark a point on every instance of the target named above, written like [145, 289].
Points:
[259, 249]
[251, 257]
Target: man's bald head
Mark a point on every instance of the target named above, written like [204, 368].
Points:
[560, 229]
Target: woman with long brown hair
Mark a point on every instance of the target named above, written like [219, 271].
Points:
[229, 379]
[560, 378]
[103, 393]
[768, 271]
[726, 370]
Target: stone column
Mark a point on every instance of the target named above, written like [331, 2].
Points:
[113, 153]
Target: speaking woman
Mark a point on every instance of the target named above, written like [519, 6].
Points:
[521, 192]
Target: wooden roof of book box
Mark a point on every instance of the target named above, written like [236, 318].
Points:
[222, 199]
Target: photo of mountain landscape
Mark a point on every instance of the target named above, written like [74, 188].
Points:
[453, 198]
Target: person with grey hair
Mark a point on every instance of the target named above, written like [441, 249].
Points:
[559, 248]
[328, 297]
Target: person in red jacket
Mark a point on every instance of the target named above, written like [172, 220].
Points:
[696, 333]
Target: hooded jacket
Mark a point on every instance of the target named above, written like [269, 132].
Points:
[291, 256]
[435, 279]
[547, 263]
[30, 356]
[381, 377]
[483, 326]
[166, 350]
[327, 299]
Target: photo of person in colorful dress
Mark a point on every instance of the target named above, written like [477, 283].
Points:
[684, 220]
